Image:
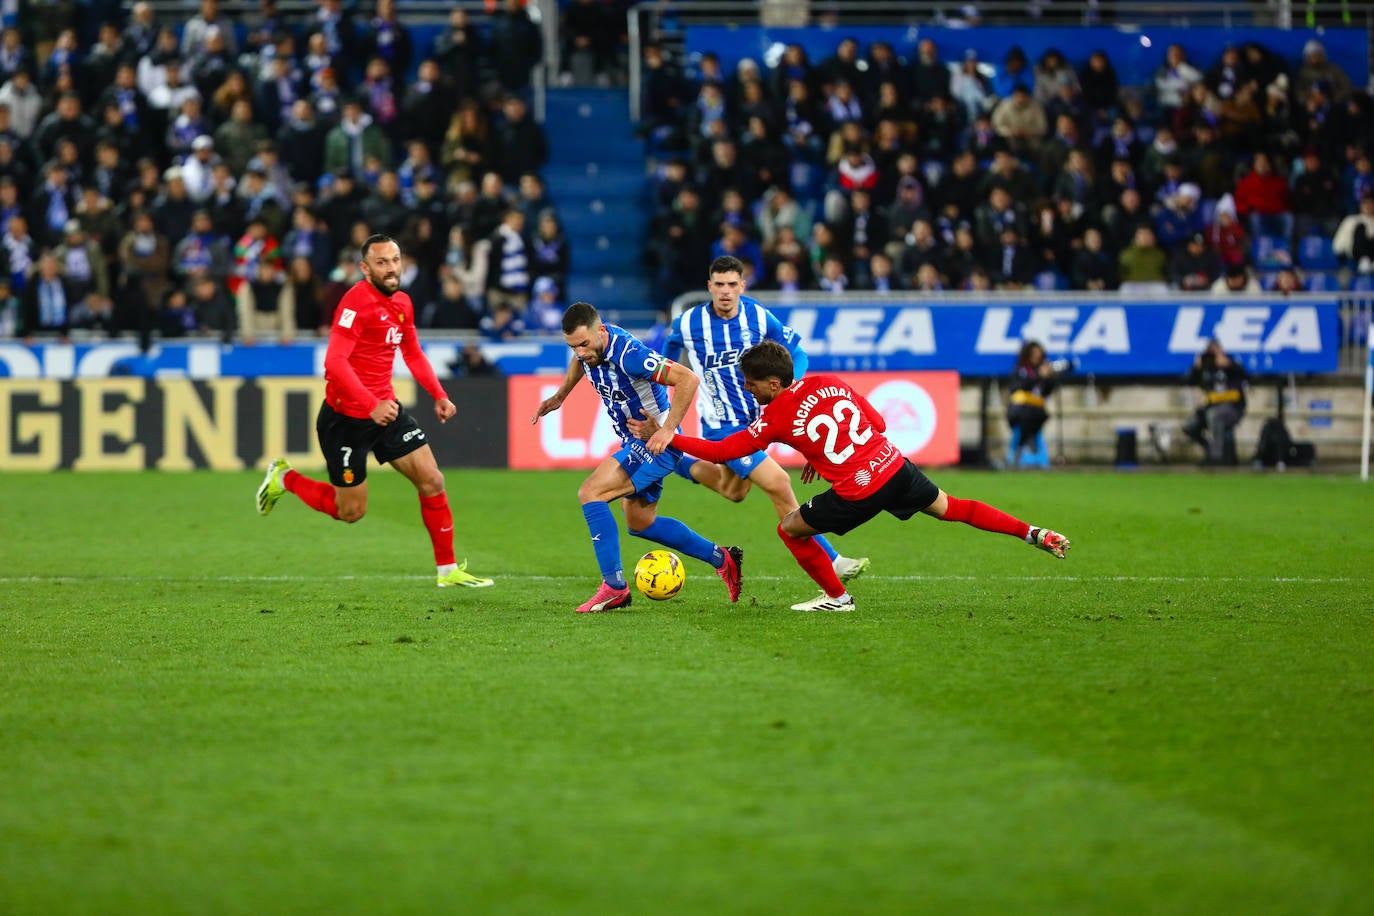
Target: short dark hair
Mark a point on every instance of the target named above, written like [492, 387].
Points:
[375, 239]
[580, 315]
[725, 264]
[769, 359]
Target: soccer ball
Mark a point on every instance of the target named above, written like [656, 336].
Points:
[659, 575]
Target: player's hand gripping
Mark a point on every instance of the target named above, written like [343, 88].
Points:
[385, 412]
[444, 409]
[643, 429]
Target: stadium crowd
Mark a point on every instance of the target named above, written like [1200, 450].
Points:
[866, 171]
[192, 178]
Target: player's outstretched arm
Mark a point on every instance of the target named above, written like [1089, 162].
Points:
[555, 401]
[684, 383]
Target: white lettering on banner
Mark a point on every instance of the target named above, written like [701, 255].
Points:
[854, 330]
[1241, 328]
[551, 431]
[803, 321]
[19, 362]
[1297, 329]
[1104, 331]
[912, 331]
[98, 361]
[1053, 327]
[992, 333]
[202, 361]
[1186, 336]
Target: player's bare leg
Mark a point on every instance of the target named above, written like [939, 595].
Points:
[773, 480]
[722, 480]
[420, 468]
[989, 518]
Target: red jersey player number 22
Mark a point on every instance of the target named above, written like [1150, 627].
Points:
[837, 430]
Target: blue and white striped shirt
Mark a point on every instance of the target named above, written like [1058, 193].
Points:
[714, 345]
[624, 381]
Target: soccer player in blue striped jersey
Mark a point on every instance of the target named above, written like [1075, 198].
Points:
[630, 379]
[712, 336]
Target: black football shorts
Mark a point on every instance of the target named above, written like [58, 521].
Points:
[906, 493]
[345, 442]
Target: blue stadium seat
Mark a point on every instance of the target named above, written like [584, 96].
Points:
[1323, 281]
[1363, 283]
[1271, 252]
[1315, 253]
[1049, 281]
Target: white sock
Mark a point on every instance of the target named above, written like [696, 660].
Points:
[1030, 535]
[447, 568]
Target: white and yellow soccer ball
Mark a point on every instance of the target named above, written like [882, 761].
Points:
[659, 575]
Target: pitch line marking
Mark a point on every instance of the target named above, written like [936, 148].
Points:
[1273, 580]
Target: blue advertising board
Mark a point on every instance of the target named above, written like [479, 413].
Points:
[1107, 337]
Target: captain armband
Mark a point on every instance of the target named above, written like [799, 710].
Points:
[660, 375]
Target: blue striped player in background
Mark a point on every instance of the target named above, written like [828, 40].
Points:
[713, 335]
[630, 377]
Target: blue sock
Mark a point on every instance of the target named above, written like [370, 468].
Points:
[674, 534]
[684, 467]
[605, 541]
[830, 552]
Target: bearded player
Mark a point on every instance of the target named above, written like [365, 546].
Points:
[712, 336]
[841, 436]
[360, 413]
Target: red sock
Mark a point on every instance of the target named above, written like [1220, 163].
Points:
[438, 520]
[981, 515]
[812, 558]
[317, 494]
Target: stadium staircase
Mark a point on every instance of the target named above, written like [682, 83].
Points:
[596, 177]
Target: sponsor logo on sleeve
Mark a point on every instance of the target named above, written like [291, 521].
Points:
[346, 318]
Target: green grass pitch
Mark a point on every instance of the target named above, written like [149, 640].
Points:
[198, 716]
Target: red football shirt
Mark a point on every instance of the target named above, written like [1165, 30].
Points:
[368, 330]
[832, 425]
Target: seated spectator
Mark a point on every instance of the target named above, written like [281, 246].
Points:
[878, 276]
[960, 259]
[1021, 121]
[919, 246]
[353, 139]
[1100, 87]
[927, 280]
[1318, 68]
[214, 313]
[787, 251]
[1354, 239]
[1316, 197]
[1093, 267]
[1143, 264]
[1173, 79]
[1192, 267]
[308, 291]
[519, 143]
[1052, 76]
[503, 323]
[550, 254]
[1121, 144]
[176, 318]
[84, 268]
[545, 312]
[1125, 220]
[1179, 219]
[1013, 264]
[1015, 69]
[970, 88]
[452, 308]
[1241, 120]
[1262, 198]
[1236, 280]
[733, 241]
[1288, 281]
[832, 277]
[1226, 236]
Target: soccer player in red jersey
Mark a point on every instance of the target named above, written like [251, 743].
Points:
[841, 436]
[360, 413]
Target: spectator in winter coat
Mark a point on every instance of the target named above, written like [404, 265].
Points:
[1173, 79]
[1192, 267]
[1021, 121]
[1317, 67]
[1226, 235]
[259, 285]
[1263, 199]
[1354, 240]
